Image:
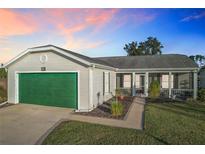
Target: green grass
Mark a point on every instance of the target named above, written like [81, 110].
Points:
[177, 123]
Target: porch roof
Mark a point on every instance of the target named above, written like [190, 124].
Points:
[170, 61]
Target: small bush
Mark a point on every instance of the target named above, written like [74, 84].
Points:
[2, 94]
[117, 92]
[154, 89]
[3, 73]
[201, 95]
[116, 108]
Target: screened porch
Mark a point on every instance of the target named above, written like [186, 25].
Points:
[173, 84]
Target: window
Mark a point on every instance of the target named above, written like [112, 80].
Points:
[106, 82]
[165, 81]
[127, 81]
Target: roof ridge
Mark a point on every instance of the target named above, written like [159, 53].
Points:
[140, 56]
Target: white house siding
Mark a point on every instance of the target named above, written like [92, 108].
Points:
[31, 62]
[98, 96]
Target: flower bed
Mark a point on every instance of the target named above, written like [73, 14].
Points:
[104, 110]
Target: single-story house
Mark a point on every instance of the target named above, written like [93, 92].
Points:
[202, 77]
[49, 75]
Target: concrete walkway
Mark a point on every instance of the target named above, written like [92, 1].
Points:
[134, 118]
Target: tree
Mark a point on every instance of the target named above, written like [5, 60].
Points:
[132, 49]
[149, 47]
[199, 59]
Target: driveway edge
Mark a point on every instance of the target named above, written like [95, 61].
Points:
[43, 137]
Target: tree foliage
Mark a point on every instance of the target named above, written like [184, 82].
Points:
[149, 47]
[3, 73]
[199, 59]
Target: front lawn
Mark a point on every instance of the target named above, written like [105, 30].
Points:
[165, 123]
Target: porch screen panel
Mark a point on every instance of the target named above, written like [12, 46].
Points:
[137, 83]
[165, 81]
[127, 81]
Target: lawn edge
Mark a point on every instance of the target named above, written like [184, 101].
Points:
[49, 131]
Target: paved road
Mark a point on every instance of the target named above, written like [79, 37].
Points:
[25, 124]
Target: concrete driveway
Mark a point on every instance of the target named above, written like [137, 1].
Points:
[25, 123]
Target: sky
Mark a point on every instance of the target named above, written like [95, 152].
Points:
[101, 32]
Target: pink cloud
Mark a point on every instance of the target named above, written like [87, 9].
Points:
[14, 23]
[80, 20]
[67, 25]
[193, 17]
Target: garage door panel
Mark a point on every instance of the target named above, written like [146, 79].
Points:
[52, 89]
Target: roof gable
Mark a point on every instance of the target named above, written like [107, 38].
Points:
[77, 57]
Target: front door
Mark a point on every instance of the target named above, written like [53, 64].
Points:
[140, 84]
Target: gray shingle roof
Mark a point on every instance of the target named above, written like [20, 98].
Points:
[150, 61]
[138, 62]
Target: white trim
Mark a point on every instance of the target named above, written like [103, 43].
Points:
[195, 86]
[16, 87]
[47, 71]
[16, 58]
[3, 103]
[17, 82]
[90, 87]
[155, 70]
[146, 83]
[133, 84]
[104, 67]
[170, 84]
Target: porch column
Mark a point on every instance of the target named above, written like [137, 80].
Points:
[133, 84]
[146, 83]
[170, 84]
[90, 82]
[195, 86]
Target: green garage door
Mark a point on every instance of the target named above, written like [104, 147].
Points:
[50, 89]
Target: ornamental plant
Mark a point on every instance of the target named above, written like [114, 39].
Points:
[201, 95]
[154, 89]
[116, 108]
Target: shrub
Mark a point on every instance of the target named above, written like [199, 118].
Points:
[3, 73]
[2, 94]
[191, 100]
[116, 108]
[201, 95]
[117, 92]
[154, 89]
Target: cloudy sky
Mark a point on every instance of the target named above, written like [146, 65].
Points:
[101, 32]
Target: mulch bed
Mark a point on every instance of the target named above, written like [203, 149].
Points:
[104, 110]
